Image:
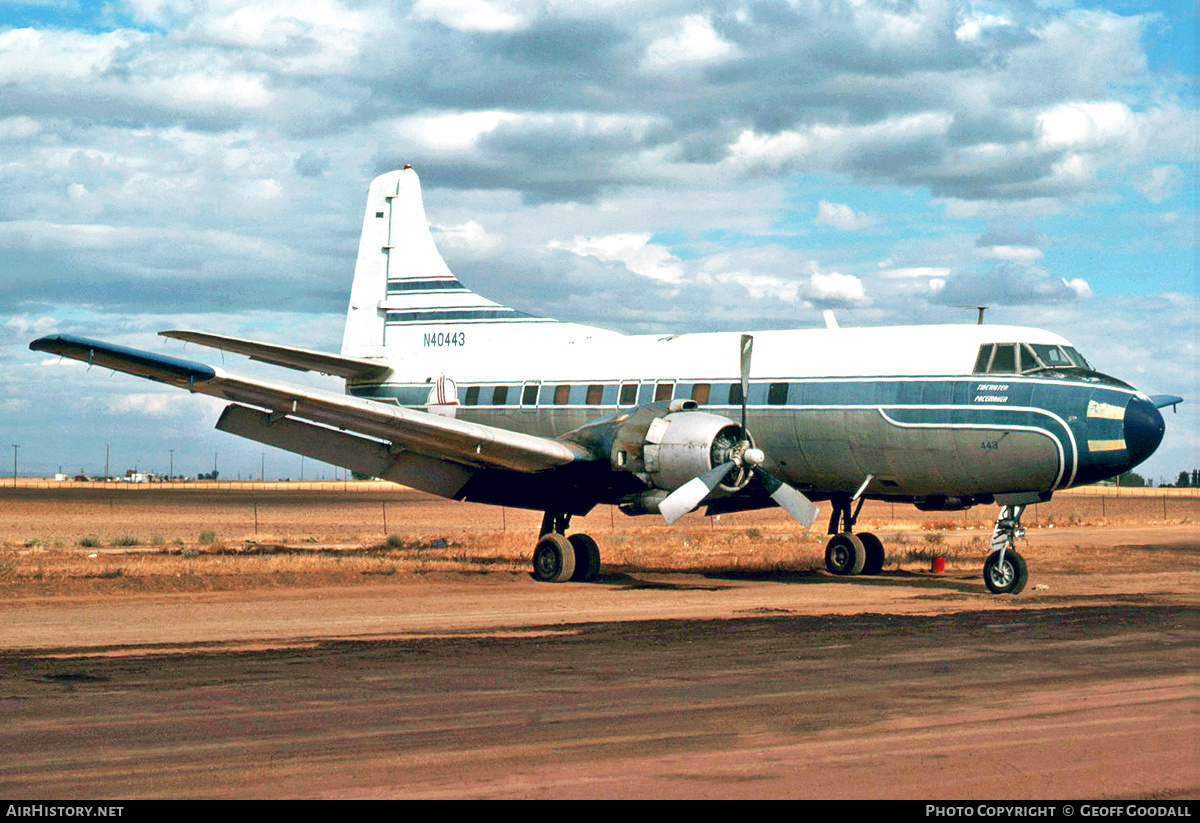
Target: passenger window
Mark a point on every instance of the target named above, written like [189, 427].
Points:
[562, 395]
[472, 398]
[629, 394]
[595, 394]
[529, 394]
[500, 396]
[735, 394]
[1005, 361]
[700, 393]
[777, 394]
[664, 391]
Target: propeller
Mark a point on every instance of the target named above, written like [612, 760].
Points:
[744, 457]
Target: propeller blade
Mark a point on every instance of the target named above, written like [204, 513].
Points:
[747, 352]
[790, 500]
[690, 494]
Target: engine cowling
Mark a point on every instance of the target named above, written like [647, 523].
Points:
[668, 450]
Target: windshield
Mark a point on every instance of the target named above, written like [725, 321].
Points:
[1022, 358]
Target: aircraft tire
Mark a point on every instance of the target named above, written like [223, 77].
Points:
[1008, 577]
[845, 554]
[553, 559]
[587, 558]
[875, 553]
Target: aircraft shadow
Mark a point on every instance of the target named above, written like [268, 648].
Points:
[964, 583]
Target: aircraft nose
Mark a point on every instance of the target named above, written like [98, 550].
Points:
[1144, 428]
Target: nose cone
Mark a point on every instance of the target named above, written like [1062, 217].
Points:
[1144, 429]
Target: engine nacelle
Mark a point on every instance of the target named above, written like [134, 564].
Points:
[668, 450]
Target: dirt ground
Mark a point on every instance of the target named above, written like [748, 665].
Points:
[315, 657]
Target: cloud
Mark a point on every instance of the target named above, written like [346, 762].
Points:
[634, 251]
[471, 15]
[696, 43]
[1019, 254]
[835, 288]
[1012, 284]
[1160, 183]
[840, 217]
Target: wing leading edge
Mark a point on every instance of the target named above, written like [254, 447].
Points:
[336, 427]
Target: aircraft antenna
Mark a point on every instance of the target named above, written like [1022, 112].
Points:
[980, 310]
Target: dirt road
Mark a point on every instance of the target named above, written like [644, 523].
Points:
[643, 685]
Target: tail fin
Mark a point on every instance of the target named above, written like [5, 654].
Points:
[400, 279]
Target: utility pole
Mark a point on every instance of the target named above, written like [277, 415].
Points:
[15, 447]
[171, 471]
[106, 474]
[262, 473]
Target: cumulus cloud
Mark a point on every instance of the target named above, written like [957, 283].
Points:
[835, 288]
[634, 251]
[1160, 183]
[1011, 284]
[840, 217]
[696, 43]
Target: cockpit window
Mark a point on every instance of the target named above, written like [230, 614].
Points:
[1077, 358]
[1052, 356]
[1022, 358]
[1004, 361]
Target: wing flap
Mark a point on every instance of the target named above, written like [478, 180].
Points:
[368, 457]
[286, 356]
[443, 438]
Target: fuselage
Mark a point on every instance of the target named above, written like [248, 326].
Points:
[913, 407]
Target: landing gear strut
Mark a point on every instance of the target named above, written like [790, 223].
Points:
[846, 552]
[1004, 572]
[558, 558]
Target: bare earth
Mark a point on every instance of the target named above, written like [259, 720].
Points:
[717, 660]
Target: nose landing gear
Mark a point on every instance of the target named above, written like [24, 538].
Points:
[1005, 572]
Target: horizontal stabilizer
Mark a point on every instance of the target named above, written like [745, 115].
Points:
[299, 359]
[1161, 401]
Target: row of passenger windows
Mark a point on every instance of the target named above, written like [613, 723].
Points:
[626, 394]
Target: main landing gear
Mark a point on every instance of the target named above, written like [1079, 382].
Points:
[848, 553]
[558, 558]
[1004, 572]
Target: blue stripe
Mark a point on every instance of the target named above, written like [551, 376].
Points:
[444, 315]
[419, 285]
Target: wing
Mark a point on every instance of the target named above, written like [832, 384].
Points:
[299, 359]
[430, 452]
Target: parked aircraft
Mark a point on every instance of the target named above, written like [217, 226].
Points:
[454, 394]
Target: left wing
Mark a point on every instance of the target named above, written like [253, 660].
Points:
[348, 428]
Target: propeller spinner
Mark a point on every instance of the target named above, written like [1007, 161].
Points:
[744, 456]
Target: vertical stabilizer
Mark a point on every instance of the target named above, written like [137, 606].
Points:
[395, 242]
[401, 284]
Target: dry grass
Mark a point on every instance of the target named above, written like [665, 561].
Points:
[208, 540]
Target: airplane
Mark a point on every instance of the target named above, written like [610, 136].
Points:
[453, 394]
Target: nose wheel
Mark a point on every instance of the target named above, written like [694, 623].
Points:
[1005, 572]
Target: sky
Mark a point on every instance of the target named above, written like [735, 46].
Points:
[658, 166]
